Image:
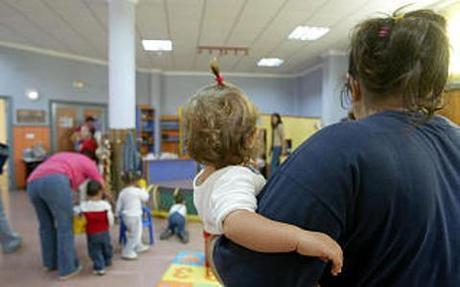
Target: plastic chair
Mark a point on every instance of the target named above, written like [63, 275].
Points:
[147, 222]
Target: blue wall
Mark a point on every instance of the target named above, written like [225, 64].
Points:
[315, 94]
[269, 94]
[308, 99]
[53, 78]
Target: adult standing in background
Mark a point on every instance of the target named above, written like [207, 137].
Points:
[277, 144]
[50, 189]
[9, 239]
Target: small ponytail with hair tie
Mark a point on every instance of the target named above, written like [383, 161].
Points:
[214, 65]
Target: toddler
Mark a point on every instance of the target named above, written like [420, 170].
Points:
[221, 135]
[129, 208]
[99, 218]
[176, 221]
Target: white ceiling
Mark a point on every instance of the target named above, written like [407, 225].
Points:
[80, 27]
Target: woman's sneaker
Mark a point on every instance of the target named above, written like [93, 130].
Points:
[71, 275]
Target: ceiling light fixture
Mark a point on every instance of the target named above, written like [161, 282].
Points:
[307, 33]
[270, 62]
[32, 95]
[157, 45]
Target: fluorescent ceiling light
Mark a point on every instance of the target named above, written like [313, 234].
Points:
[270, 62]
[157, 45]
[307, 33]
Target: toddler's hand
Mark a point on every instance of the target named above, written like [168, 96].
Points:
[321, 245]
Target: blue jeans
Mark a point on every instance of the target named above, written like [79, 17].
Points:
[276, 154]
[51, 197]
[176, 223]
[100, 250]
[8, 238]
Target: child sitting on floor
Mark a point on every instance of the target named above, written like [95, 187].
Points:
[177, 221]
[129, 208]
[221, 134]
[99, 218]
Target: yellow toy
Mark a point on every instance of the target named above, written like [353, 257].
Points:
[79, 224]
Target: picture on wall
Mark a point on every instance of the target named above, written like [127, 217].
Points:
[31, 116]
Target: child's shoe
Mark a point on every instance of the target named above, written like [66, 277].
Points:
[166, 234]
[99, 272]
[132, 256]
[142, 248]
[184, 237]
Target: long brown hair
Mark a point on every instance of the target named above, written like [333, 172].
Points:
[402, 55]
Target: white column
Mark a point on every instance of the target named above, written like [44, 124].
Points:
[156, 91]
[122, 64]
[335, 67]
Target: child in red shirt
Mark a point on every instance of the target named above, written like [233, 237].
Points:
[99, 218]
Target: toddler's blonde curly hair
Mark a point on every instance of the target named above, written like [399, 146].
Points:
[220, 124]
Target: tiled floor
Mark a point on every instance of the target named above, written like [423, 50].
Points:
[23, 269]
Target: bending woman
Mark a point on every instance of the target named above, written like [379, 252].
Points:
[50, 191]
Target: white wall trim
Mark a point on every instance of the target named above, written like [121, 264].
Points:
[334, 53]
[309, 70]
[62, 55]
[79, 58]
[229, 74]
[53, 53]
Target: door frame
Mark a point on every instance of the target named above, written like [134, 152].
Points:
[52, 116]
[10, 141]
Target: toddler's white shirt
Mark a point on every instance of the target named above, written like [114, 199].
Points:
[224, 191]
[130, 201]
[180, 208]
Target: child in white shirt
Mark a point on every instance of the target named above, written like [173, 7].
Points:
[177, 219]
[221, 134]
[129, 208]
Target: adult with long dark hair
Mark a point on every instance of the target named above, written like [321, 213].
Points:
[385, 186]
[50, 189]
[277, 143]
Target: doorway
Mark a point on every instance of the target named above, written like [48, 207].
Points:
[6, 182]
[66, 117]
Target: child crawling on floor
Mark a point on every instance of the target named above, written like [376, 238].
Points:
[221, 135]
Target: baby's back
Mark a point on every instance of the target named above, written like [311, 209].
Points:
[224, 191]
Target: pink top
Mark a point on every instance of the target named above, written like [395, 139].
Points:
[76, 167]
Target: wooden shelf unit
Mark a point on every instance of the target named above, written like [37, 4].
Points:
[170, 134]
[145, 127]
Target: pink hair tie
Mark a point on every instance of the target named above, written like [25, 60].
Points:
[220, 80]
[384, 32]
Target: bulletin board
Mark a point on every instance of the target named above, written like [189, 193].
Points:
[298, 129]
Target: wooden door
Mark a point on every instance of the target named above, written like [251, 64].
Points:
[98, 113]
[451, 109]
[65, 125]
[94, 112]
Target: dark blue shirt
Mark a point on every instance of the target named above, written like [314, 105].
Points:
[386, 188]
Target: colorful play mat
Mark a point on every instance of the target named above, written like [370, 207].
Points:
[187, 270]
